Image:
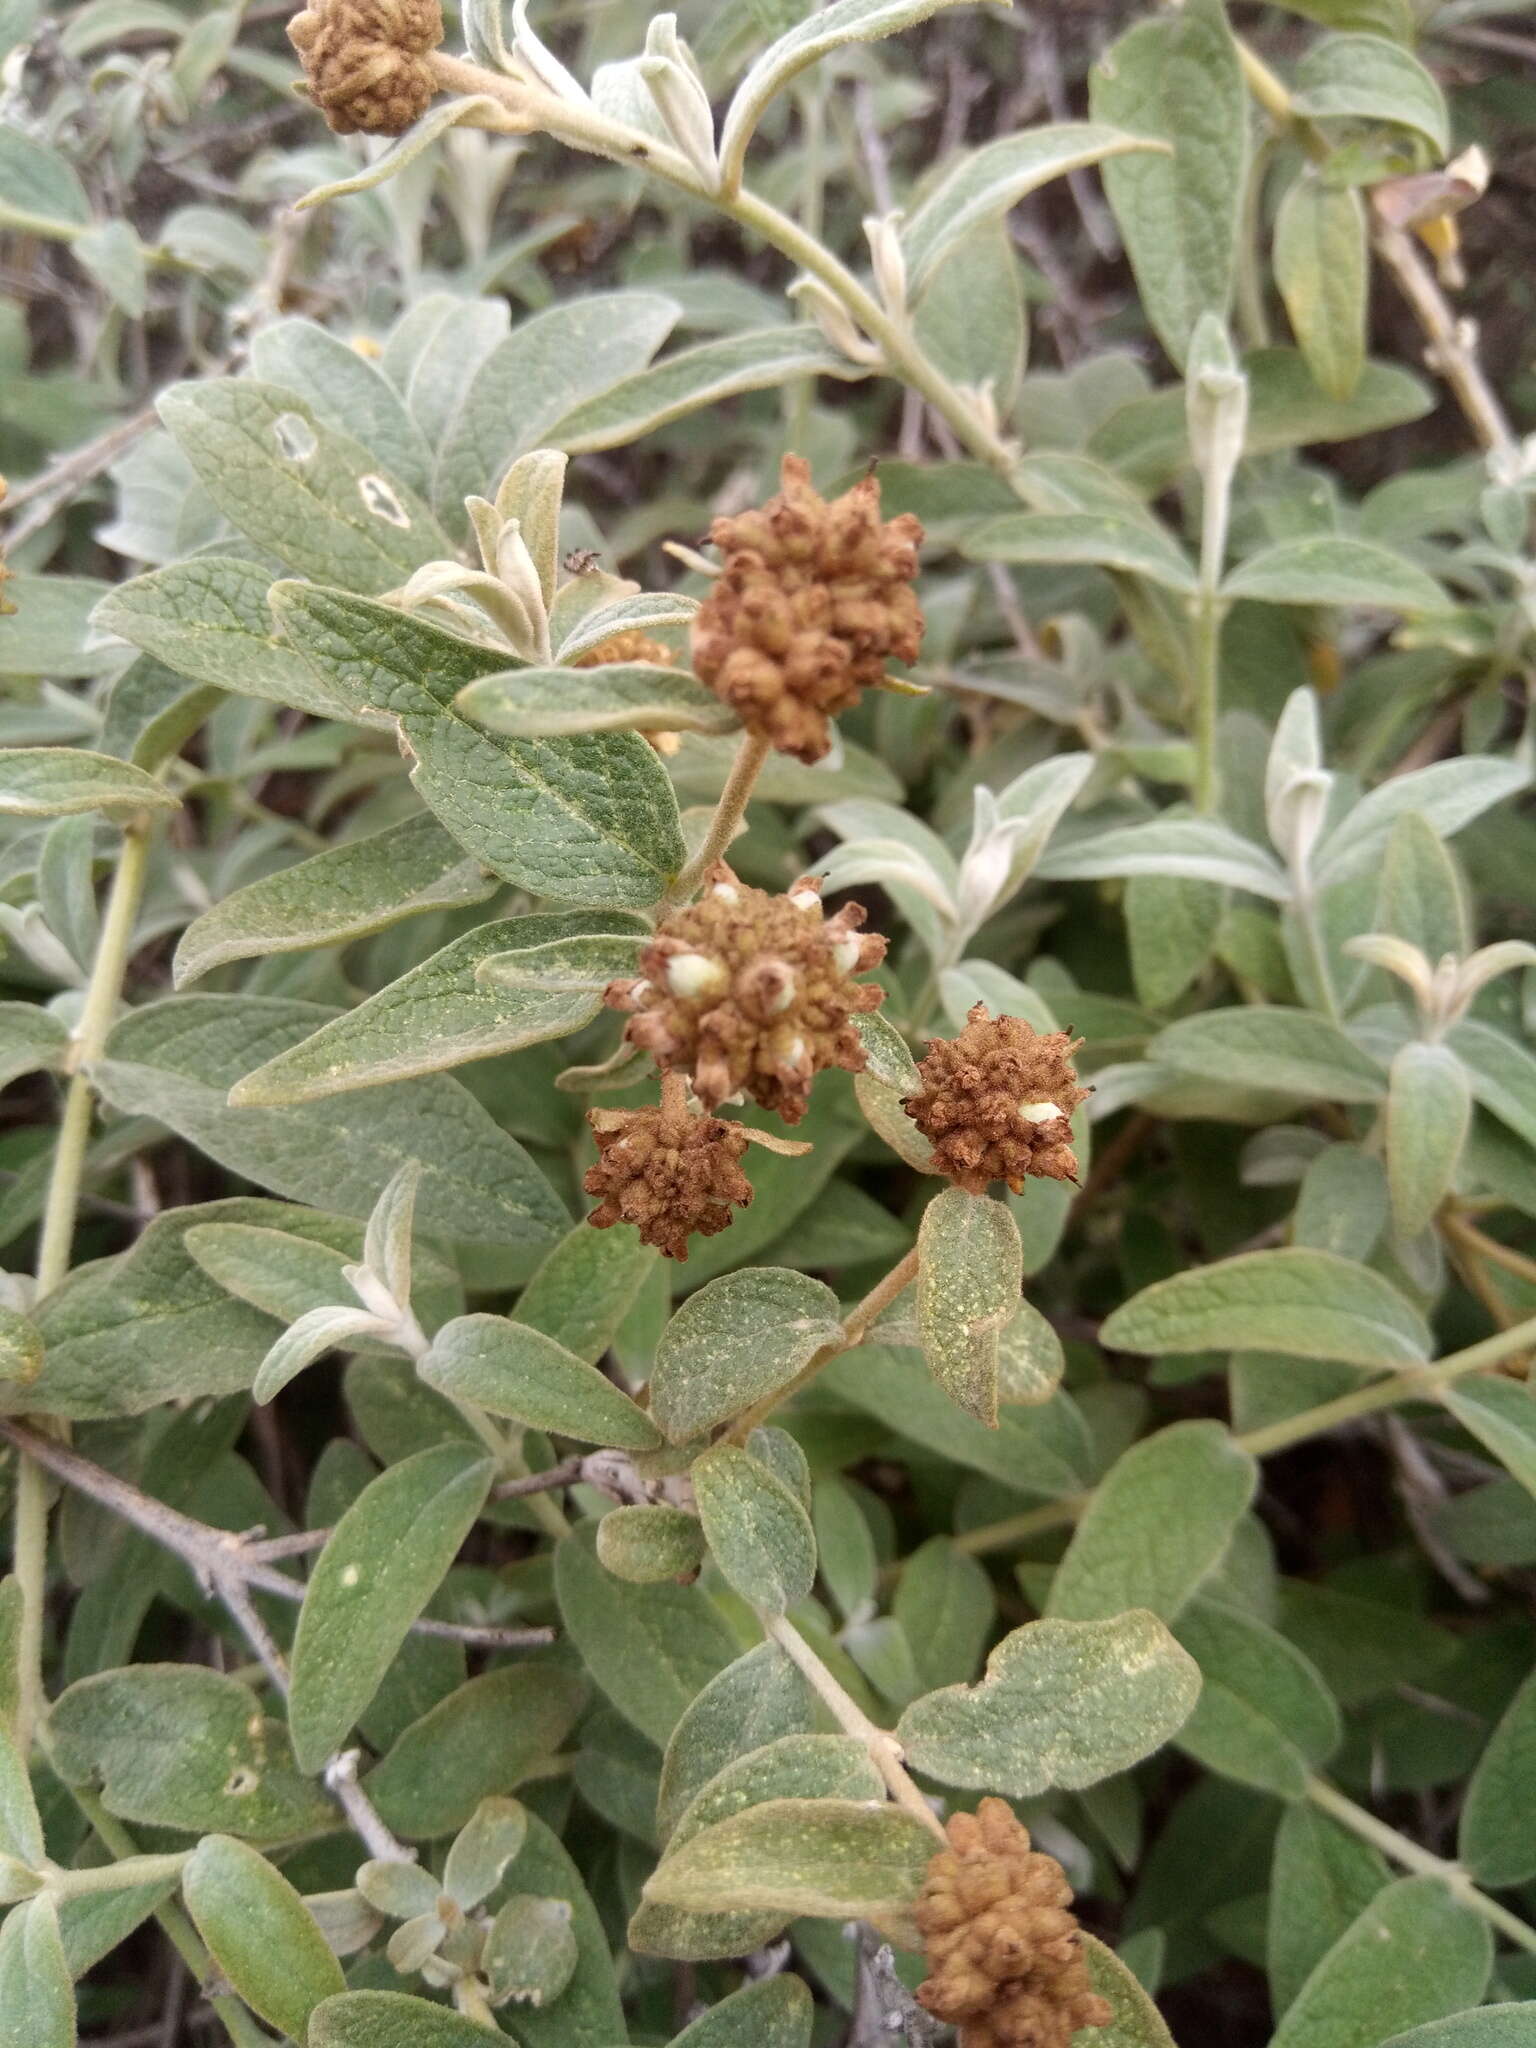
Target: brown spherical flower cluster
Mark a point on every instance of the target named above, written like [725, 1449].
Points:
[995, 1103]
[752, 993]
[813, 599]
[365, 61]
[1005, 1957]
[669, 1172]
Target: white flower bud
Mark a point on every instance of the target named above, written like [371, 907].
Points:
[846, 953]
[890, 265]
[805, 899]
[1038, 1112]
[691, 975]
[673, 79]
[725, 892]
[834, 320]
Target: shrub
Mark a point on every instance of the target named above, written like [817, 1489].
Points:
[1006, 922]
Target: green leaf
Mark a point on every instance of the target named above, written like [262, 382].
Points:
[1446, 795]
[1030, 1360]
[1368, 78]
[1503, 1075]
[1157, 1526]
[124, 1334]
[1501, 1414]
[178, 1059]
[648, 1543]
[40, 192]
[650, 1648]
[793, 1767]
[945, 1606]
[441, 1013]
[1322, 1879]
[1334, 569]
[1264, 1715]
[345, 390]
[758, 1533]
[260, 1934]
[1497, 1837]
[588, 2009]
[1106, 540]
[971, 321]
[21, 1831]
[1322, 271]
[548, 703]
[383, 1562]
[1147, 439]
[834, 1859]
[753, 1702]
[1172, 924]
[476, 1744]
[56, 782]
[208, 619]
[1375, 17]
[345, 893]
[315, 498]
[823, 30]
[969, 1272]
[530, 1952]
[590, 820]
[1291, 1299]
[1039, 1450]
[761, 360]
[389, 2019]
[113, 254]
[775, 2013]
[479, 1854]
[1291, 1051]
[1177, 80]
[1414, 1954]
[1136, 2021]
[37, 1999]
[287, 1272]
[1202, 849]
[1421, 896]
[1063, 1703]
[31, 1040]
[586, 1287]
[546, 367]
[1491, 2026]
[981, 184]
[519, 1372]
[21, 1348]
[741, 1337]
[179, 1746]
[1429, 1112]
[48, 631]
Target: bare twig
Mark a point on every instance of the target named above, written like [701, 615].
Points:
[217, 1557]
[62, 478]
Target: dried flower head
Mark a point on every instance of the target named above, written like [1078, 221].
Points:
[753, 993]
[630, 645]
[812, 601]
[366, 61]
[669, 1172]
[1005, 1957]
[995, 1101]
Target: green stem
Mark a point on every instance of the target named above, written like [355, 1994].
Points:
[121, 1875]
[729, 812]
[884, 1750]
[1207, 705]
[856, 1324]
[1420, 1861]
[33, 1494]
[1426, 1383]
[1304, 909]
